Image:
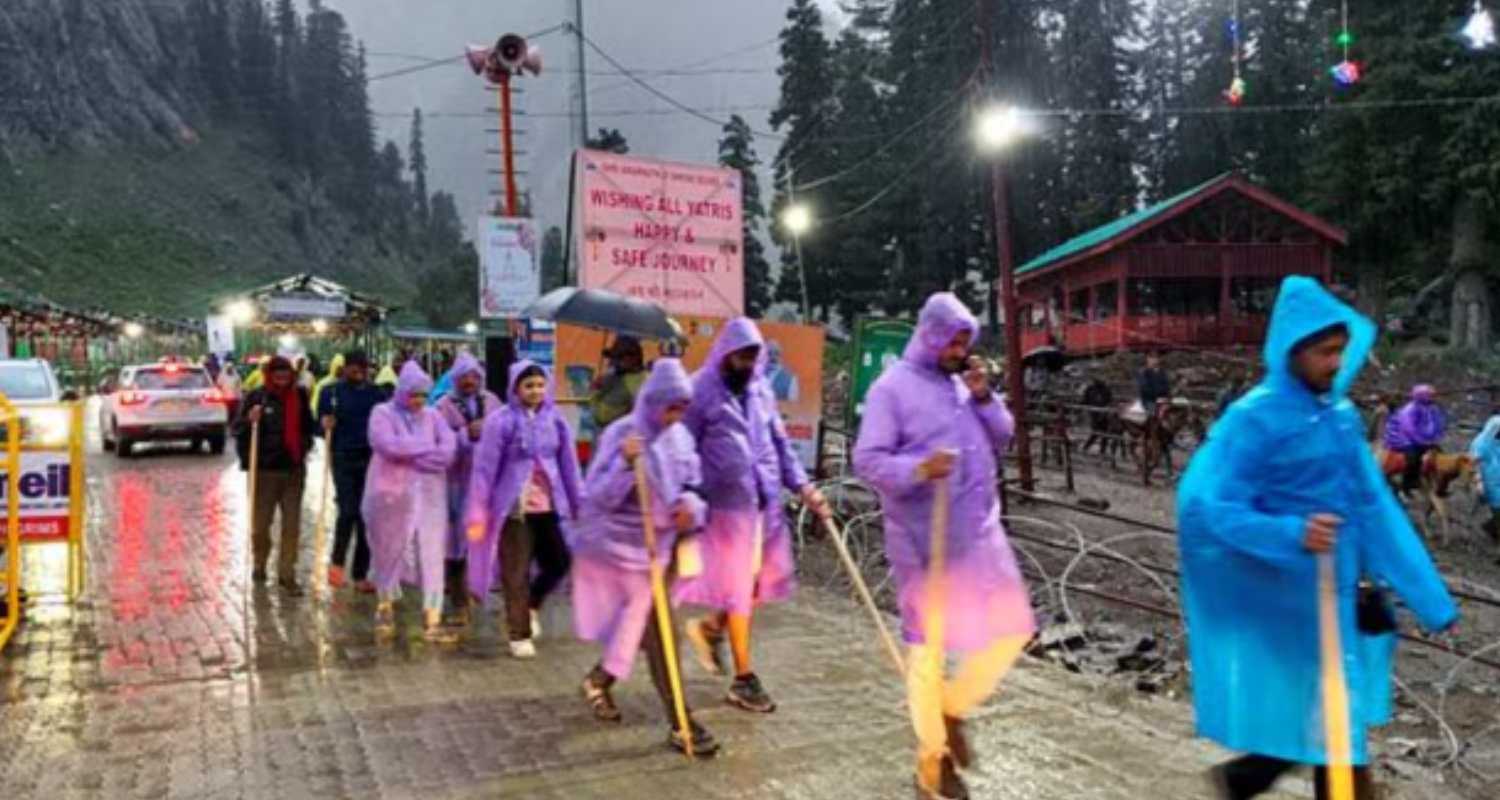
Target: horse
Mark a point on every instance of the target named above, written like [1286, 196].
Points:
[1157, 434]
[1440, 471]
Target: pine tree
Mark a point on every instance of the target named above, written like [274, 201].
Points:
[255, 46]
[289, 128]
[417, 159]
[610, 140]
[737, 151]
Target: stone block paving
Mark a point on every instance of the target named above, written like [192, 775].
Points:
[170, 681]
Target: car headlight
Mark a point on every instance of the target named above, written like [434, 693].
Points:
[47, 426]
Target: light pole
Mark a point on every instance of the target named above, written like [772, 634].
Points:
[798, 220]
[998, 128]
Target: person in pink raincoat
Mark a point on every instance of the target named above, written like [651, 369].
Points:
[747, 461]
[465, 408]
[406, 498]
[612, 602]
[932, 417]
[524, 485]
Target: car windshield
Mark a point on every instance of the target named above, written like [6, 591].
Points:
[25, 382]
[176, 379]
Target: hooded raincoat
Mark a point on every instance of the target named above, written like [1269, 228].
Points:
[1486, 450]
[747, 461]
[457, 412]
[611, 578]
[335, 365]
[406, 495]
[515, 442]
[1249, 588]
[1419, 423]
[913, 411]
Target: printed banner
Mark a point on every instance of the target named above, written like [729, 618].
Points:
[661, 231]
[795, 372]
[220, 335]
[510, 275]
[44, 495]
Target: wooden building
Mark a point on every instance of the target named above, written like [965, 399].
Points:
[1198, 270]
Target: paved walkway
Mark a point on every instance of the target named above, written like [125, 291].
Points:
[170, 681]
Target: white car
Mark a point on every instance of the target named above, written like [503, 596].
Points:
[30, 385]
[167, 401]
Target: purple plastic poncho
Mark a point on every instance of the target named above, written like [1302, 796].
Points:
[406, 493]
[747, 460]
[516, 442]
[457, 412]
[912, 411]
[1419, 423]
[611, 579]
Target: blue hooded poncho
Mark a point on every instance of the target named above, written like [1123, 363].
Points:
[1486, 450]
[1250, 590]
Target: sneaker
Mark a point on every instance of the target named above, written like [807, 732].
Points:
[364, 587]
[958, 743]
[600, 701]
[259, 576]
[336, 577]
[708, 645]
[522, 648]
[704, 743]
[290, 587]
[747, 693]
[536, 624]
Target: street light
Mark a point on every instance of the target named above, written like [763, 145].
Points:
[320, 326]
[241, 312]
[798, 219]
[288, 341]
[133, 330]
[471, 327]
[997, 129]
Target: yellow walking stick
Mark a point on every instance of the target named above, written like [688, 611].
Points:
[864, 594]
[320, 530]
[659, 601]
[1335, 690]
[938, 554]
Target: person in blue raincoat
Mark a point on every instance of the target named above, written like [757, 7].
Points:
[1284, 477]
[1486, 450]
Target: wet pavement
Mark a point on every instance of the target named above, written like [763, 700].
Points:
[170, 679]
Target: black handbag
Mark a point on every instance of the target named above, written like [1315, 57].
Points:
[1373, 610]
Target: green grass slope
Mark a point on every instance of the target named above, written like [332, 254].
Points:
[169, 233]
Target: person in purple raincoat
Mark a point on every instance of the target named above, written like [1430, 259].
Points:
[524, 484]
[746, 548]
[465, 408]
[1414, 429]
[612, 602]
[406, 499]
[932, 417]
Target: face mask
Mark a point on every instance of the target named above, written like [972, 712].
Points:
[737, 380]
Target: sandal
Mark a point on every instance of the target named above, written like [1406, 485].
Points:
[600, 702]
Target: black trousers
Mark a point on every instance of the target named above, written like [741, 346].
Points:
[349, 491]
[538, 539]
[1252, 775]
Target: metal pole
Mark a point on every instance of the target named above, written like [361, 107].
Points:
[507, 147]
[1015, 384]
[583, 77]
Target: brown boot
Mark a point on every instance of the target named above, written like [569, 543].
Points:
[937, 779]
[958, 743]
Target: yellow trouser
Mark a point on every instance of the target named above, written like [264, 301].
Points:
[931, 698]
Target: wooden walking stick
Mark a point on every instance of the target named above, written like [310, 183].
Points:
[864, 594]
[254, 467]
[1336, 732]
[320, 530]
[659, 601]
[938, 553]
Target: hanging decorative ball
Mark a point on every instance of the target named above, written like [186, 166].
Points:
[1235, 94]
[1344, 39]
[1345, 73]
[1479, 31]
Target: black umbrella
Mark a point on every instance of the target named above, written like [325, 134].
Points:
[596, 308]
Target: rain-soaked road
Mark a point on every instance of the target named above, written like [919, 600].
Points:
[170, 679]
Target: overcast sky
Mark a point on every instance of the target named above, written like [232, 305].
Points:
[730, 45]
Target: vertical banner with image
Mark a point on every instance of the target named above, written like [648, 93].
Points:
[509, 267]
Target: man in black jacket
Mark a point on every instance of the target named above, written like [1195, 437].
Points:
[287, 429]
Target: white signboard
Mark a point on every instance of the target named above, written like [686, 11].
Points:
[44, 494]
[308, 306]
[220, 335]
[510, 274]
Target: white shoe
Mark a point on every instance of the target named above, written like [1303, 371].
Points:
[522, 648]
[536, 624]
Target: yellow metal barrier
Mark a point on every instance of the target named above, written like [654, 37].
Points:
[14, 548]
[13, 520]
